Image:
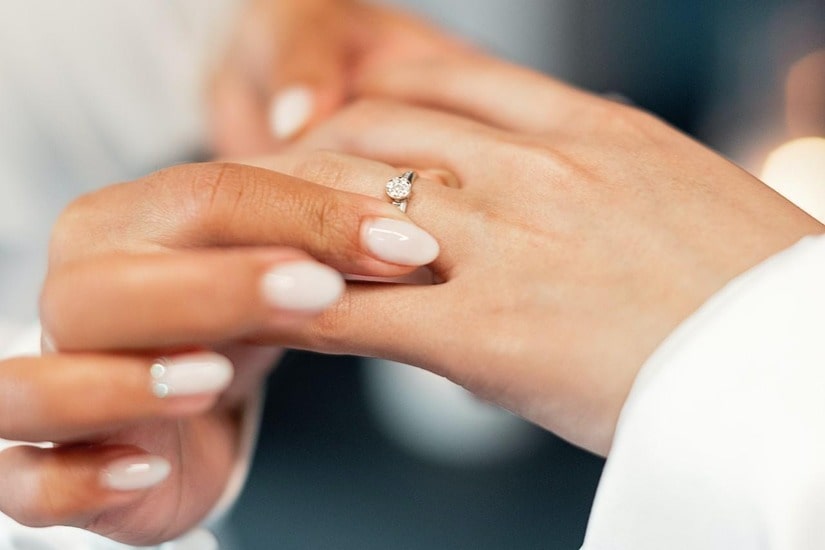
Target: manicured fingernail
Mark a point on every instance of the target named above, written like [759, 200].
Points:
[290, 111]
[135, 473]
[399, 242]
[191, 374]
[302, 286]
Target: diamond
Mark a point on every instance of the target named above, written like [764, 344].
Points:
[399, 188]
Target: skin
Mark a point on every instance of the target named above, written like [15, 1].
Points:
[130, 284]
[324, 45]
[320, 44]
[581, 233]
[575, 235]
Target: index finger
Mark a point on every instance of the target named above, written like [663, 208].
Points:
[228, 205]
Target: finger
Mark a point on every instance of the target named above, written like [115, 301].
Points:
[394, 322]
[308, 82]
[387, 35]
[306, 73]
[198, 297]
[238, 116]
[433, 205]
[483, 88]
[80, 397]
[74, 485]
[286, 69]
[227, 204]
[404, 135]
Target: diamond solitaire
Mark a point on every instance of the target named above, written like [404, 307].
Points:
[399, 189]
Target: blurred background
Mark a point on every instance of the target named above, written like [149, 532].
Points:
[363, 454]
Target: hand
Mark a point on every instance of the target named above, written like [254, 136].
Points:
[577, 234]
[188, 264]
[292, 63]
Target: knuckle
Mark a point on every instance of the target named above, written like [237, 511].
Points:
[207, 197]
[51, 300]
[539, 157]
[324, 216]
[331, 222]
[57, 303]
[73, 225]
[618, 118]
[209, 193]
[57, 501]
[324, 167]
[33, 501]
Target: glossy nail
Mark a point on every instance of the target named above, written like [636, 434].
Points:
[191, 374]
[135, 473]
[399, 242]
[303, 287]
[290, 111]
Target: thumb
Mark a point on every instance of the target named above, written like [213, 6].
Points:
[309, 79]
[285, 71]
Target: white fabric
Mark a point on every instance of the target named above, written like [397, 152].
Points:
[720, 444]
[91, 92]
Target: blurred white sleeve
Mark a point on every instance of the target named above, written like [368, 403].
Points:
[721, 443]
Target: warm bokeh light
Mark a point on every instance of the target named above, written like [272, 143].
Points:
[797, 171]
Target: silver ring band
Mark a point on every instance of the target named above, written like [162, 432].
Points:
[399, 189]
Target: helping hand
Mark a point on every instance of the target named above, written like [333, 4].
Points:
[192, 264]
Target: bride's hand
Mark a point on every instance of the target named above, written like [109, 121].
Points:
[576, 234]
[189, 264]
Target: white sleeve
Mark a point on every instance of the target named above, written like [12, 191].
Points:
[721, 443]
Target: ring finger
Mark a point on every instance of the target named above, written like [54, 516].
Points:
[434, 203]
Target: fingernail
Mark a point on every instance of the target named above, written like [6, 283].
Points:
[302, 286]
[191, 374]
[135, 473]
[290, 111]
[399, 242]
